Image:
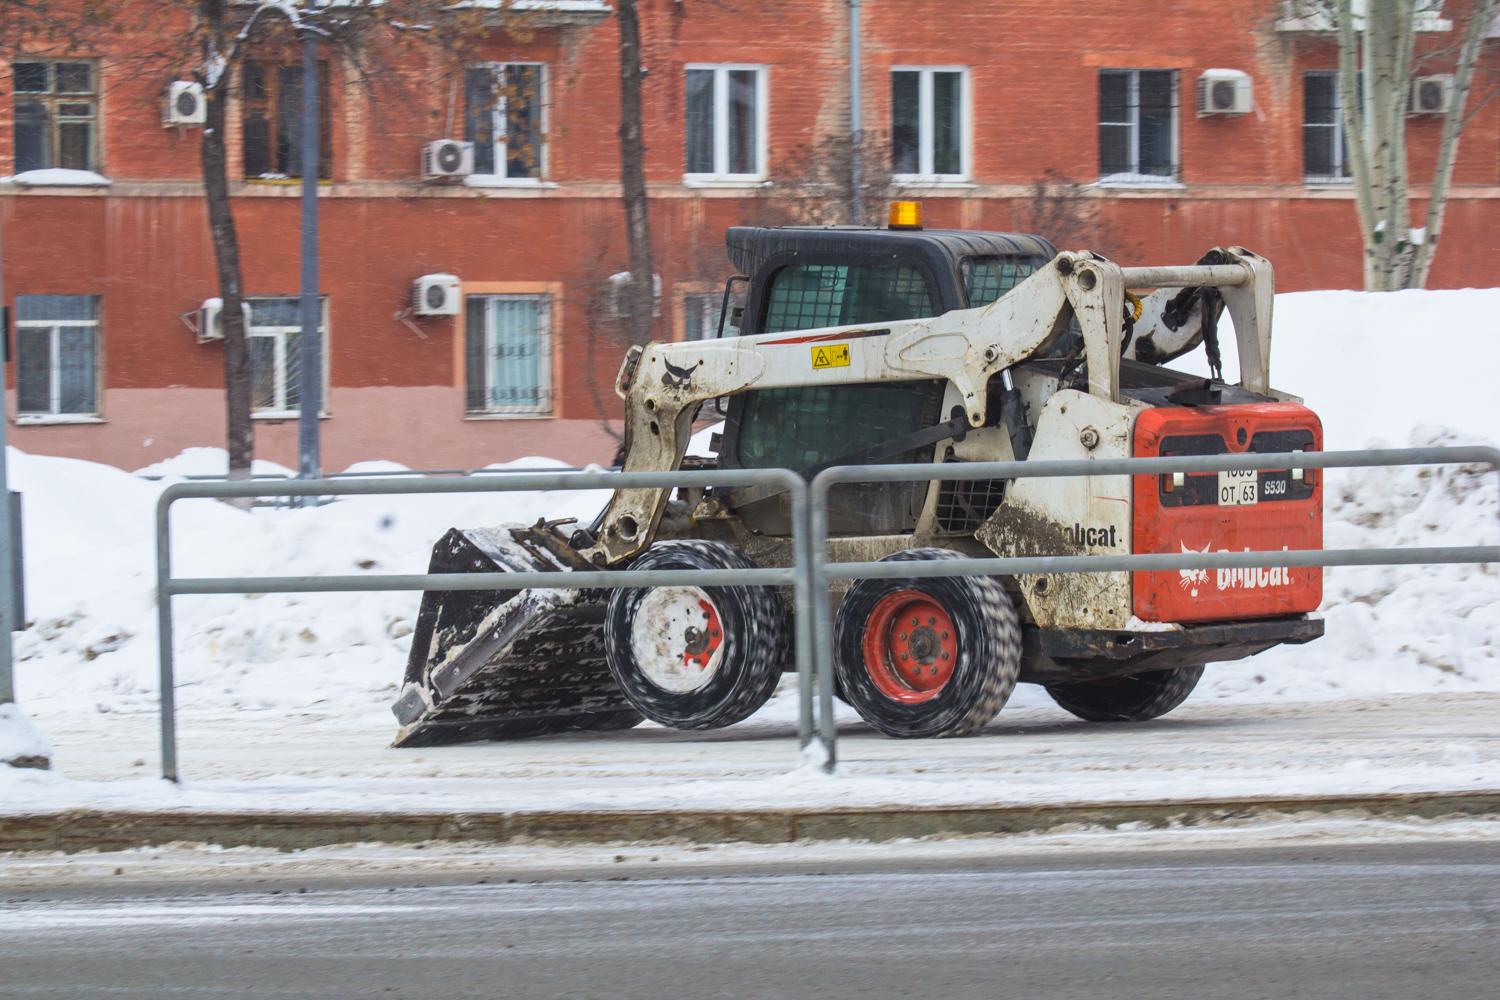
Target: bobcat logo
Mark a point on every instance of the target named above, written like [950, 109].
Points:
[1191, 579]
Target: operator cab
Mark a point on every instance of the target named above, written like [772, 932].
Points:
[804, 277]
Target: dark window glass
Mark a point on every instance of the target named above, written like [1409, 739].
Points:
[74, 78]
[33, 137]
[31, 78]
[1324, 151]
[77, 380]
[905, 118]
[1158, 97]
[34, 370]
[700, 121]
[52, 130]
[57, 365]
[523, 121]
[1138, 122]
[742, 124]
[262, 373]
[947, 123]
[479, 116]
[56, 307]
[272, 118]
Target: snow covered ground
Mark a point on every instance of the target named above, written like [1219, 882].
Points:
[1385, 368]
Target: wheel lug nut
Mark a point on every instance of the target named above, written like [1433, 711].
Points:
[945, 656]
[903, 635]
[932, 621]
[945, 635]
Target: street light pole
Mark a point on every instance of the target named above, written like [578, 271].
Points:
[7, 581]
[309, 344]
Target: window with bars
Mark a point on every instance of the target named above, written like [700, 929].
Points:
[806, 296]
[505, 119]
[1138, 125]
[928, 114]
[509, 354]
[56, 109]
[273, 340]
[725, 134]
[57, 359]
[272, 128]
[988, 278]
[1324, 150]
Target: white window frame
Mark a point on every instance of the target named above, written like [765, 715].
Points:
[543, 355]
[500, 125]
[1337, 178]
[53, 413]
[926, 150]
[721, 71]
[1134, 177]
[280, 330]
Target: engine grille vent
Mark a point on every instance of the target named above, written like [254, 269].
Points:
[962, 506]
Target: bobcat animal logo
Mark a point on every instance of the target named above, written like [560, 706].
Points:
[1191, 579]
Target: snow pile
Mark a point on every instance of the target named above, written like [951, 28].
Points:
[20, 743]
[58, 177]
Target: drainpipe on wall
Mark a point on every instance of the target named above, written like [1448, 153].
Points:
[856, 210]
[7, 584]
[309, 344]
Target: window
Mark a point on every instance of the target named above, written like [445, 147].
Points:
[988, 278]
[1138, 125]
[700, 314]
[273, 121]
[509, 349]
[726, 115]
[1324, 150]
[275, 364]
[807, 296]
[57, 363]
[505, 104]
[928, 118]
[56, 108]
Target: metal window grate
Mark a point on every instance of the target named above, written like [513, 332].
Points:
[808, 296]
[963, 506]
[988, 278]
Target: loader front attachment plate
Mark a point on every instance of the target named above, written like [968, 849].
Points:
[505, 664]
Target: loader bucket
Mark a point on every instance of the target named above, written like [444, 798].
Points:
[505, 664]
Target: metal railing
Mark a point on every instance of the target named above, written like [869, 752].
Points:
[811, 572]
[168, 586]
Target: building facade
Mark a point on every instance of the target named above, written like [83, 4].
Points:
[1013, 115]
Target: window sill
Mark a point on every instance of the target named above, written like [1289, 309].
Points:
[281, 416]
[1335, 183]
[55, 419]
[283, 181]
[492, 181]
[471, 415]
[918, 181]
[57, 177]
[1140, 183]
[705, 181]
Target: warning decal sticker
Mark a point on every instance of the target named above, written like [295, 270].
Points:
[830, 356]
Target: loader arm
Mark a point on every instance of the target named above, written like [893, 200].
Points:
[664, 385]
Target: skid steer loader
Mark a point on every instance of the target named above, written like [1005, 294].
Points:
[863, 346]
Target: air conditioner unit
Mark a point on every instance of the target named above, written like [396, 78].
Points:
[211, 319]
[447, 159]
[619, 283]
[1430, 94]
[435, 295]
[1224, 92]
[186, 104]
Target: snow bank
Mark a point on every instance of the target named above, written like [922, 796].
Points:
[1374, 367]
[20, 743]
[59, 177]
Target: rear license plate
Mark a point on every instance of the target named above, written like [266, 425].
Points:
[1238, 488]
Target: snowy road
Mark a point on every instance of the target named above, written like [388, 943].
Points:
[1336, 921]
[1035, 754]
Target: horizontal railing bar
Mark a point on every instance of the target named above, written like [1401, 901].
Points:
[1165, 561]
[1188, 276]
[581, 580]
[506, 483]
[1033, 469]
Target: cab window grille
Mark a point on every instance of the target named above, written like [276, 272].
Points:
[809, 296]
[988, 278]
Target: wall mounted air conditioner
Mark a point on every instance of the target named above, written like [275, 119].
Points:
[619, 285]
[185, 105]
[1430, 94]
[447, 159]
[1224, 92]
[435, 295]
[211, 319]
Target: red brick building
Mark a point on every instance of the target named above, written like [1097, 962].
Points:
[972, 103]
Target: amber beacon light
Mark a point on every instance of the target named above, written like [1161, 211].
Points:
[906, 215]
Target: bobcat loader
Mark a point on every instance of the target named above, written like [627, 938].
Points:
[863, 346]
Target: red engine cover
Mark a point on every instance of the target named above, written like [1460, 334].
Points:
[1285, 513]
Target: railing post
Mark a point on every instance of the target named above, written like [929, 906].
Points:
[817, 540]
[802, 593]
[165, 677]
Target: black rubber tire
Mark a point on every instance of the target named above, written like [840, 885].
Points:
[1133, 698]
[984, 673]
[755, 642]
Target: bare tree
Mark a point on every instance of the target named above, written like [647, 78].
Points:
[811, 185]
[640, 293]
[1377, 59]
[1061, 209]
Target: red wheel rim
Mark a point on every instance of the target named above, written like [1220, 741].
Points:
[910, 646]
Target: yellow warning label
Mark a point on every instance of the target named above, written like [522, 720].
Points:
[830, 356]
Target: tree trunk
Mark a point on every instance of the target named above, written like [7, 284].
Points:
[641, 299]
[241, 434]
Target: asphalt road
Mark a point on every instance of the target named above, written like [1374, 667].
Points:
[1397, 921]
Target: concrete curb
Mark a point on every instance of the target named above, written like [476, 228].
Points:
[104, 830]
